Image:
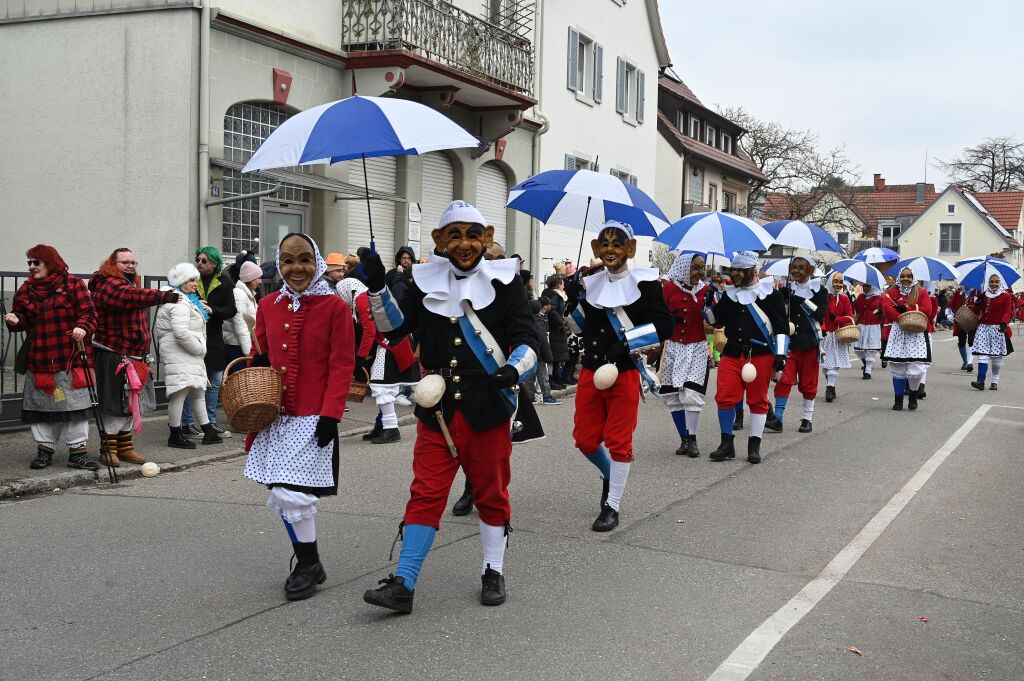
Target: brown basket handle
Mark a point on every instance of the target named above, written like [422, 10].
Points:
[227, 369]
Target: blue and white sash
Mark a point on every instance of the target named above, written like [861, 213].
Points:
[622, 325]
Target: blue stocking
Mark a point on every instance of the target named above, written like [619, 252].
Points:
[679, 417]
[963, 353]
[982, 371]
[602, 460]
[416, 543]
[725, 420]
[899, 386]
[780, 406]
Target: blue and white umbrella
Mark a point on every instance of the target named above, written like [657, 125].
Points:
[584, 199]
[780, 268]
[979, 258]
[716, 232]
[877, 255]
[976, 274]
[799, 234]
[858, 270]
[925, 269]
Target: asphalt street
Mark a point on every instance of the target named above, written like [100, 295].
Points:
[884, 545]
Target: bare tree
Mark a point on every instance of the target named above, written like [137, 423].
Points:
[995, 165]
[661, 257]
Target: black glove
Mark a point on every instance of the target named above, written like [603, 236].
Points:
[1002, 327]
[780, 362]
[573, 289]
[786, 292]
[709, 297]
[506, 376]
[900, 308]
[374, 270]
[616, 351]
[260, 361]
[326, 431]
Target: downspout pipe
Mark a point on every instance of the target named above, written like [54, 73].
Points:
[204, 124]
[538, 81]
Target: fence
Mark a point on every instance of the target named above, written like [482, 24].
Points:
[11, 384]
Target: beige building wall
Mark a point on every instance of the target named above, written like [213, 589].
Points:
[720, 180]
[978, 237]
[668, 179]
[99, 136]
[313, 21]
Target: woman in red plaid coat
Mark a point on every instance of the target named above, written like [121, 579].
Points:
[54, 309]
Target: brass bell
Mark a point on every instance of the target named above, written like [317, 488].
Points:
[286, 327]
[453, 320]
[490, 351]
[454, 363]
[456, 379]
[457, 396]
[477, 331]
[289, 307]
[458, 341]
[284, 346]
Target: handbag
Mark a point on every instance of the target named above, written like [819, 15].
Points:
[21, 358]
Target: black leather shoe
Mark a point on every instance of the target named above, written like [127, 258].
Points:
[308, 572]
[465, 503]
[372, 434]
[607, 521]
[865, 376]
[392, 595]
[885, 363]
[44, 457]
[921, 394]
[604, 492]
[691, 447]
[210, 436]
[978, 384]
[725, 450]
[492, 591]
[805, 426]
[964, 367]
[387, 436]
[178, 439]
[191, 429]
[737, 423]
[773, 423]
[830, 393]
[970, 367]
[681, 451]
[912, 400]
[993, 386]
[897, 404]
[753, 450]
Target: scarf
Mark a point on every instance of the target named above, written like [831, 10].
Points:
[318, 288]
[679, 273]
[349, 289]
[196, 303]
[45, 287]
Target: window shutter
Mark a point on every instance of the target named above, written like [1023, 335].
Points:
[598, 72]
[632, 180]
[570, 162]
[620, 85]
[640, 96]
[574, 46]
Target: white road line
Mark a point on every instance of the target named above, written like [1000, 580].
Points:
[749, 654]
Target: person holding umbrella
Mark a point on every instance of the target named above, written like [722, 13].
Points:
[835, 355]
[868, 309]
[54, 309]
[907, 352]
[992, 343]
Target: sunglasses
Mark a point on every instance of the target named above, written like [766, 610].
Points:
[34, 263]
[129, 263]
[201, 260]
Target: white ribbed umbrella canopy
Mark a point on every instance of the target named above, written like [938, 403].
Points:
[716, 232]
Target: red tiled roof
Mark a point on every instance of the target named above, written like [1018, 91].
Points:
[871, 206]
[741, 164]
[1005, 207]
[679, 88]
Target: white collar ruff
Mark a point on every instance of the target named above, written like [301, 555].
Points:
[617, 290]
[806, 289]
[696, 290]
[759, 291]
[446, 286]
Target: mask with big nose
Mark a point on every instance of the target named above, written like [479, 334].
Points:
[613, 248]
[463, 242]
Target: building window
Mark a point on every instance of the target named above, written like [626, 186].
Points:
[843, 238]
[728, 202]
[246, 125]
[709, 137]
[950, 209]
[694, 127]
[890, 235]
[949, 238]
[586, 67]
[630, 83]
[573, 162]
[726, 143]
[713, 196]
[624, 176]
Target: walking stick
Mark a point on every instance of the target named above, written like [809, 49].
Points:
[90, 383]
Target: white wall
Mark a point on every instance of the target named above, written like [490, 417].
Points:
[668, 179]
[99, 124]
[314, 21]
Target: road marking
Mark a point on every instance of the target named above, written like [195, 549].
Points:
[752, 651]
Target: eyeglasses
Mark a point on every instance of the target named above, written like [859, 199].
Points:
[34, 263]
[201, 260]
[129, 263]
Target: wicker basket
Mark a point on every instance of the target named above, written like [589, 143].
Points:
[913, 321]
[720, 340]
[966, 319]
[848, 334]
[357, 390]
[251, 397]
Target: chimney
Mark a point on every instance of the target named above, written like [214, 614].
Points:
[919, 198]
[879, 182]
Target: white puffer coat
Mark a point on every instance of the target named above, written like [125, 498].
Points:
[181, 337]
[235, 330]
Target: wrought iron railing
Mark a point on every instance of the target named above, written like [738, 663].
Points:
[442, 32]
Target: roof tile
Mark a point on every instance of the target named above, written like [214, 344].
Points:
[741, 163]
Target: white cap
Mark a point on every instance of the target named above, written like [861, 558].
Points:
[181, 274]
[460, 211]
[625, 227]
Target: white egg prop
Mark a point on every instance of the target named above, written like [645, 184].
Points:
[150, 470]
[605, 376]
[748, 373]
[792, 328]
[429, 390]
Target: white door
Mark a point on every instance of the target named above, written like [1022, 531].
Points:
[438, 192]
[491, 196]
[382, 173]
[278, 220]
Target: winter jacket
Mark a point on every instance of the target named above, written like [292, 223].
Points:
[235, 330]
[181, 338]
[50, 320]
[398, 282]
[222, 303]
[122, 323]
[558, 330]
[540, 324]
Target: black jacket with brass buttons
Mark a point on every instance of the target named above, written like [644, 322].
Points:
[445, 350]
[599, 336]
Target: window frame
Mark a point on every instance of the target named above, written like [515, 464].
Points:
[949, 239]
[589, 74]
[726, 141]
[693, 121]
[950, 209]
[710, 135]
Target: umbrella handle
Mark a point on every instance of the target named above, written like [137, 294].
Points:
[583, 234]
[369, 214]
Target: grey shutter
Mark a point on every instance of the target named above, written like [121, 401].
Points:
[632, 180]
[640, 96]
[598, 72]
[570, 162]
[620, 85]
[573, 61]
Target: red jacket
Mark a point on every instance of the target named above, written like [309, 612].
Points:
[998, 310]
[956, 301]
[687, 312]
[123, 325]
[314, 347]
[869, 309]
[840, 312]
[925, 304]
[366, 323]
[50, 320]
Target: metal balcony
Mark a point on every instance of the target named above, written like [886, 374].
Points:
[443, 33]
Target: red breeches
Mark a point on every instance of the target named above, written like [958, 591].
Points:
[607, 416]
[730, 387]
[802, 365]
[485, 457]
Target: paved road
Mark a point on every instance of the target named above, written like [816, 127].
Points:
[180, 576]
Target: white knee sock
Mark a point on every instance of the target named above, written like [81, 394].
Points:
[120, 424]
[617, 483]
[757, 422]
[808, 409]
[305, 529]
[493, 539]
[388, 417]
[997, 366]
[869, 360]
[830, 377]
[692, 419]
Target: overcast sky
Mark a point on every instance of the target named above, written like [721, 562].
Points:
[887, 79]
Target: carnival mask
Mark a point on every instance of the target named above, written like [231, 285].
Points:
[297, 263]
[800, 270]
[837, 283]
[463, 242]
[613, 248]
[994, 283]
[696, 270]
[906, 277]
[742, 277]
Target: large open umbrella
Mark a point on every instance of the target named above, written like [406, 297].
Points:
[358, 128]
[976, 274]
[858, 270]
[925, 269]
[715, 232]
[780, 268]
[799, 234]
[877, 255]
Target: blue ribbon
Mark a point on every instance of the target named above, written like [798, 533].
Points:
[487, 361]
[617, 326]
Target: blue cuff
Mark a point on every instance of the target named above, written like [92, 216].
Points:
[781, 345]
[524, 360]
[386, 314]
[577, 320]
[642, 337]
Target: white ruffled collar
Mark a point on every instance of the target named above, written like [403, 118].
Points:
[446, 286]
[989, 294]
[759, 291]
[696, 290]
[806, 289]
[617, 290]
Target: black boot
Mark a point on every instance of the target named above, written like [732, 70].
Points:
[691, 447]
[44, 457]
[805, 426]
[911, 400]
[178, 439]
[726, 449]
[465, 503]
[830, 393]
[753, 450]
[773, 423]
[392, 595]
[308, 572]
[604, 492]
[979, 385]
[210, 436]
[607, 521]
[492, 591]
[386, 436]
[897, 405]
[682, 446]
[737, 423]
[78, 457]
[372, 434]
[921, 394]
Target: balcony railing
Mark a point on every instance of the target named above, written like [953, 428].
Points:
[442, 32]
